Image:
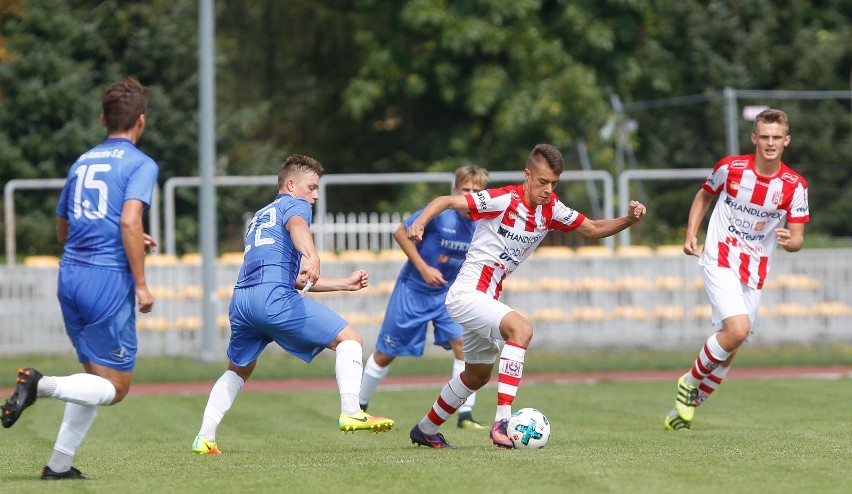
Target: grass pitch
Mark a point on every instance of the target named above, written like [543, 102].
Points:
[752, 436]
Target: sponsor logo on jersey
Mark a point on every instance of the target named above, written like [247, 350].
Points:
[789, 177]
[481, 197]
[754, 211]
[745, 236]
[749, 224]
[739, 164]
[455, 245]
[506, 233]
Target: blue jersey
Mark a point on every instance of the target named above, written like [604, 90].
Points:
[270, 256]
[446, 239]
[98, 184]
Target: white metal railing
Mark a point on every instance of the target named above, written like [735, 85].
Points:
[54, 183]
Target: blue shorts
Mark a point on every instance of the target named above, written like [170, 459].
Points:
[98, 307]
[408, 314]
[265, 313]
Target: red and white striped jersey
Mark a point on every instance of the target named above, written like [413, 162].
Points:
[741, 233]
[507, 231]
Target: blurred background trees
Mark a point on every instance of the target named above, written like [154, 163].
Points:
[424, 85]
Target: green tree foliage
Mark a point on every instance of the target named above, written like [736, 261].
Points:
[426, 85]
[60, 56]
[447, 82]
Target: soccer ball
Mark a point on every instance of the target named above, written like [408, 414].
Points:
[528, 429]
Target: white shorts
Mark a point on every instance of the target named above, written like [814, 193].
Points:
[480, 316]
[730, 297]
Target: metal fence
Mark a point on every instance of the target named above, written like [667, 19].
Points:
[576, 299]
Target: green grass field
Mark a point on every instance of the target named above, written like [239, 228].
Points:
[752, 436]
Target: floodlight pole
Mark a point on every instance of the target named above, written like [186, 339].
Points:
[206, 165]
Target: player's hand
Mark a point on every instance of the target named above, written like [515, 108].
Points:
[309, 270]
[783, 236]
[358, 280]
[150, 243]
[144, 299]
[635, 211]
[691, 248]
[433, 276]
[415, 232]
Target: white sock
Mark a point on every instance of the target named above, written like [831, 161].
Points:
[348, 369]
[373, 376]
[221, 398]
[75, 424]
[82, 389]
[467, 406]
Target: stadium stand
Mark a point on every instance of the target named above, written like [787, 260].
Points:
[634, 251]
[41, 262]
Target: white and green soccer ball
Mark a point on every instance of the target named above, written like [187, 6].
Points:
[528, 428]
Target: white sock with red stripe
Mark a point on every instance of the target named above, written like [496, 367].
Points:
[467, 406]
[451, 398]
[711, 383]
[509, 375]
[709, 358]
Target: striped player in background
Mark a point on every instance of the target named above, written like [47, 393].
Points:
[511, 222]
[761, 203]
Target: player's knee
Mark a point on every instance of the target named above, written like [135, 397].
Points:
[120, 393]
[474, 380]
[349, 333]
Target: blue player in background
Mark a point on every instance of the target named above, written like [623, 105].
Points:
[420, 290]
[266, 306]
[101, 276]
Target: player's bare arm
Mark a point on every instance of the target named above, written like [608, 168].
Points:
[61, 229]
[437, 206]
[605, 228]
[357, 280]
[791, 238]
[697, 211]
[430, 275]
[132, 236]
[303, 241]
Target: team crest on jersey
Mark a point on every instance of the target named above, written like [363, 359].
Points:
[739, 164]
[513, 215]
[776, 197]
[789, 177]
[759, 226]
[735, 185]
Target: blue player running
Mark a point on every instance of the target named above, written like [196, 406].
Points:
[101, 275]
[266, 306]
[420, 290]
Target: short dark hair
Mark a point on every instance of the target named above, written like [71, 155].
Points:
[123, 103]
[546, 154]
[298, 162]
